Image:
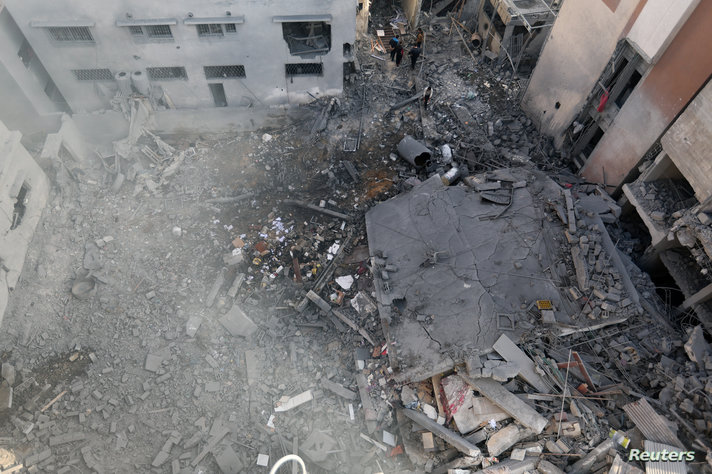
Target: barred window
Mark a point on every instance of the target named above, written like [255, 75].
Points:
[304, 69]
[222, 72]
[93, 74]
[75, 34]
[215, 29]
[166, 73]
[151, 31]
[159, 31]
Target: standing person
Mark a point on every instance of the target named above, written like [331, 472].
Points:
[414, 54]
[419, 37]
[427, 94]
[399, 54]
[393, 43]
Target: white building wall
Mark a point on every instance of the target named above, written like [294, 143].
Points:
[25, 104]
[258, 45]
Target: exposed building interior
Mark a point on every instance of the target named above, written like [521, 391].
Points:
[373, 237]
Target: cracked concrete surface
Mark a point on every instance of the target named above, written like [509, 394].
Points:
[492, 267]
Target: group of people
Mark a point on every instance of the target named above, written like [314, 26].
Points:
[414, 53]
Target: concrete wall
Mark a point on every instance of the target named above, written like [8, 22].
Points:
[17, 168]
[660, 96]
[411, 8]
[575, 54]
[688, 142]
[258, 44]
[657, 25]
[25, 106]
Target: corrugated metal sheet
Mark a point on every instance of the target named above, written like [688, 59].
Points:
[663, 467]
[621, 467]
[652, 425]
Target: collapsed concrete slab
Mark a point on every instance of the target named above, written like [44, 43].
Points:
[468, 268]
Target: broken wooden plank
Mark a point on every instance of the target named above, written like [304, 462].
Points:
[457, 441]
[508, 402]
[527, 368]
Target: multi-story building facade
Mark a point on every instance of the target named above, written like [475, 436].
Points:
[612, 77]
[187, 54]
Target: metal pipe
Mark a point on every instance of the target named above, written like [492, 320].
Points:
[414, 152]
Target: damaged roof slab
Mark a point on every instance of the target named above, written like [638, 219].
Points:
[457, 270]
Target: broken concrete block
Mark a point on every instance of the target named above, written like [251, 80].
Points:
[704, 218]
[504, 372]
[238, 323]
[428, 441]
[228, 462]
[5, 396]
[192, 325]
[338, 389]
[503, 439]
[287, 403]
[696, 347]
[8, 373]
[545, 467]
[153, 362]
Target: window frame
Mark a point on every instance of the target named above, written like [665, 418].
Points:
[106, 78]
[151, 71]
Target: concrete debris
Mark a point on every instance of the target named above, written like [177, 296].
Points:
[471, 307]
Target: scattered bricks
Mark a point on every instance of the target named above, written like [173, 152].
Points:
[625, 303]
[428, 441]
[160, 458]
[175, 467]
[571, 239]
[38, 458]
[599, 294]
[66, 438]
[607, 307]
[575, 293]
[114, 402]
[704, 218]
[97, 394]
[8, 373]
[545, 467]
[657, 215]
[613, 297]
[112, 427]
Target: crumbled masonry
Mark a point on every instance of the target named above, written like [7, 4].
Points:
[235, 298]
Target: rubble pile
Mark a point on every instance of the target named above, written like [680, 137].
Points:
[664, 200]
[230, 308]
